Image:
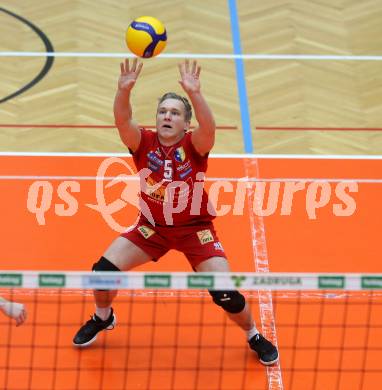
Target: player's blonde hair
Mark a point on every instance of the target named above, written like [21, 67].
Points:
[187, 105]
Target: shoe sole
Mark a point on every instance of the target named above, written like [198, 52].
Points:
[111, 326]
[269, 363]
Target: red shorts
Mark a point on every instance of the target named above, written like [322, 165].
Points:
[197, 242]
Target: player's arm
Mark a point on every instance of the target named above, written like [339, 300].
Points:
[203, 137]
[127, 127]
[14, 310]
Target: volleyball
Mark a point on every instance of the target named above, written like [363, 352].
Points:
[146, 37]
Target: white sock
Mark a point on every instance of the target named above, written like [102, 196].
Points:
[103, 312]
[252, 332]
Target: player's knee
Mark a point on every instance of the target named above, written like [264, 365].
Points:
[230, 301]
[104, 264]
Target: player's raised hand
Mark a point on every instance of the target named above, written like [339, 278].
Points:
[129, 74]
[189, 74]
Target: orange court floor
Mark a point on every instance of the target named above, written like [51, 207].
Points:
[182, 341]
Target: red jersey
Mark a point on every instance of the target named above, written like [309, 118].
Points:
[170, 187]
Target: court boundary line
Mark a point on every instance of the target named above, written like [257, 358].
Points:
[227, 56]
[88, 126]
[208, 179]
[240, 79]
[218, 127]
[216, 155]
[307, 128]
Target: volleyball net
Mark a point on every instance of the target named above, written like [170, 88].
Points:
[169, 334]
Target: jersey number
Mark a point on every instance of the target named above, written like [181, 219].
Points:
[167, 174]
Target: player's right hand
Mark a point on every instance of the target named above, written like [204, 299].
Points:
[129, 74]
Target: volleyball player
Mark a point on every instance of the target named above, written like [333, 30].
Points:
[173, 154]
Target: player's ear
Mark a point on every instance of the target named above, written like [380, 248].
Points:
[187, 126]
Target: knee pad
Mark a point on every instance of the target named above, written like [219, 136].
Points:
[104, 264]
[230, 301]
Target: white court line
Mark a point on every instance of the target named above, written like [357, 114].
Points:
[208, 179]
[217, 155]
[217, 56]
[260, 253]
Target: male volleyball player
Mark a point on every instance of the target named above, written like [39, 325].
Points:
[172, 153]
[14, 310]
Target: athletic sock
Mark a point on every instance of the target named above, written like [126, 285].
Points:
[252, 332]
[103, 312]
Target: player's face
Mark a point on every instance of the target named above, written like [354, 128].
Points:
[171, 122]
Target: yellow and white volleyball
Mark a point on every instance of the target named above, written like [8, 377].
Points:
[146, 37]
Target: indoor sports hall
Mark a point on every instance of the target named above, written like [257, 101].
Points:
[296, 90]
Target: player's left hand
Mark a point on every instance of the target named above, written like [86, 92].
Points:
[16, 311]
[189, 74]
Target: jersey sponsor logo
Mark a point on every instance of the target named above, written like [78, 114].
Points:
[184, 174]
[180, 154]
[184, 166]
[205, 236]
[152, 166]
[158, 152]
[153, 158]
[158, 194]
[146, 231]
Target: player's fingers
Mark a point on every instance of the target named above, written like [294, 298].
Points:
[122, 68]
[126, 65]
[199, 68]
[181, 69]
[193, 67]
[187, 66]
[134, 66]
[19, 320]
[140, 65]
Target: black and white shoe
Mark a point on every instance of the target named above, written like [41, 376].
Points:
[87, 334]
[266, 351]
